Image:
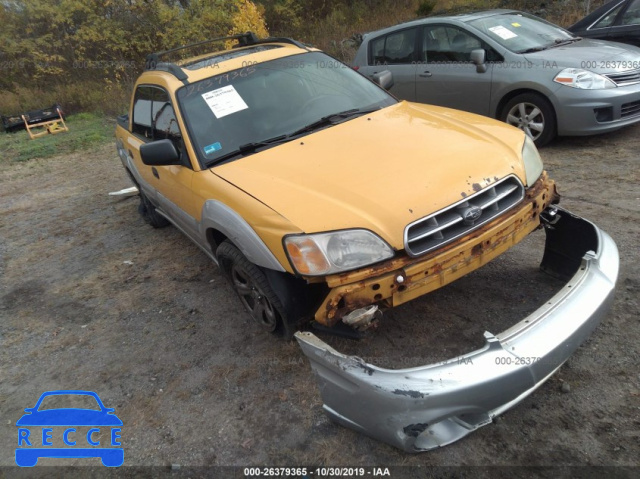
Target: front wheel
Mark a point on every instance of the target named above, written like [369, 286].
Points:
[255, 293]
[533, 114]
[149, 213]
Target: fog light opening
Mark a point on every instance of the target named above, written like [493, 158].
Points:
[604, 115]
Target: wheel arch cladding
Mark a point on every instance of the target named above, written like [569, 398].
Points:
[225, 221]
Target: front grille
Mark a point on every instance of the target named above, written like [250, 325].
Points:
[446, 225]
[630, 109]
[625, 78]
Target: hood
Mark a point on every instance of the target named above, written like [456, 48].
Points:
[380, 171]
[598, 56]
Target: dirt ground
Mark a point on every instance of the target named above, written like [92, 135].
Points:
[93, 298]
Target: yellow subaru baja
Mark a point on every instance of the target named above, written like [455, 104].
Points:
[322, 197]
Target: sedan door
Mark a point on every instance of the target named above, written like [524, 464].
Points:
[446, 76]
[395, 52]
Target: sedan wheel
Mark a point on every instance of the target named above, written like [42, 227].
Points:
[534, 115]
[527, 117]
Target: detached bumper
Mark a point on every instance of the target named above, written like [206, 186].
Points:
[422, 408]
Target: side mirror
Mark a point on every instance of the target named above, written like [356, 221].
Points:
[159, 153]
[384, 79]
[479, 57]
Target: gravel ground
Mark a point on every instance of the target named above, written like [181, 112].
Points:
[92, 298]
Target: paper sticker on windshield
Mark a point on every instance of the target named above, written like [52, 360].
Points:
[503, 32]
[224, 101]
[212, 148]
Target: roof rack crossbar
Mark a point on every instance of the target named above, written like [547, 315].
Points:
[244, 39]
[276, 40]
[248, 38]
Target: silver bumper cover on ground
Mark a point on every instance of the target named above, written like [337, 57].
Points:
[422, 408]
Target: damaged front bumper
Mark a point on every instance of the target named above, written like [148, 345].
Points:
[422, 408]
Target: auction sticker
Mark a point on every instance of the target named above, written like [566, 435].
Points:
[224, 101]
[503, 32]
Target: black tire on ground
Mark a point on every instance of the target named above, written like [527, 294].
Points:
[255, 292]
[532, 113]
[149, 213]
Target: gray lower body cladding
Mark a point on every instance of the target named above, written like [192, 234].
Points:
[426, 407]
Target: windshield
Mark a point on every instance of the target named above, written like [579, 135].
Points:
[522, 33]
[272, 101]
[66, 401]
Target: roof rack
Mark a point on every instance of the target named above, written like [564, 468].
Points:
[244, 39]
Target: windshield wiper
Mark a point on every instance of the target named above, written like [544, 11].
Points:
[333, 119]
[565, 41]
[535, 49]
[248, 148]
[556, 43]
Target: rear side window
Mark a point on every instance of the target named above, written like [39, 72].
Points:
[397, 48]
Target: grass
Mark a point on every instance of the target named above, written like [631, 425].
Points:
[86, 130]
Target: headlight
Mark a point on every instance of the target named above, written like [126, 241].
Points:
[329, 253]
[532, 161]
[583, 79]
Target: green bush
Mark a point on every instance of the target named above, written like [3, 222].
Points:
[426, 7]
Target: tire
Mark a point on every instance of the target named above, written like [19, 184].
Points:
[149, 213]
[533, 114]
[255, 292]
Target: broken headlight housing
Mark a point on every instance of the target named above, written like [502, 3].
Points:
[335, 252]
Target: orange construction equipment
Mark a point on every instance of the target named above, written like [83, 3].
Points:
[47, 127]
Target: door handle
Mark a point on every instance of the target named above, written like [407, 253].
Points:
[426, 74]
[155, 172]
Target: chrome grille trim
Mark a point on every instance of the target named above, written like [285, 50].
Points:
[448, 224]
[625, 78]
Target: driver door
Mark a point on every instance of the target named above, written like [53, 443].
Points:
[446, 76]
[168, 187]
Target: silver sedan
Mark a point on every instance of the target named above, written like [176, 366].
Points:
[512, 66]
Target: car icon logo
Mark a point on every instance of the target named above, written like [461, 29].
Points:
[63, 432]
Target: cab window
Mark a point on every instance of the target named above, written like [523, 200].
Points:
[153, 114]
[142, 111]
[165, 124]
